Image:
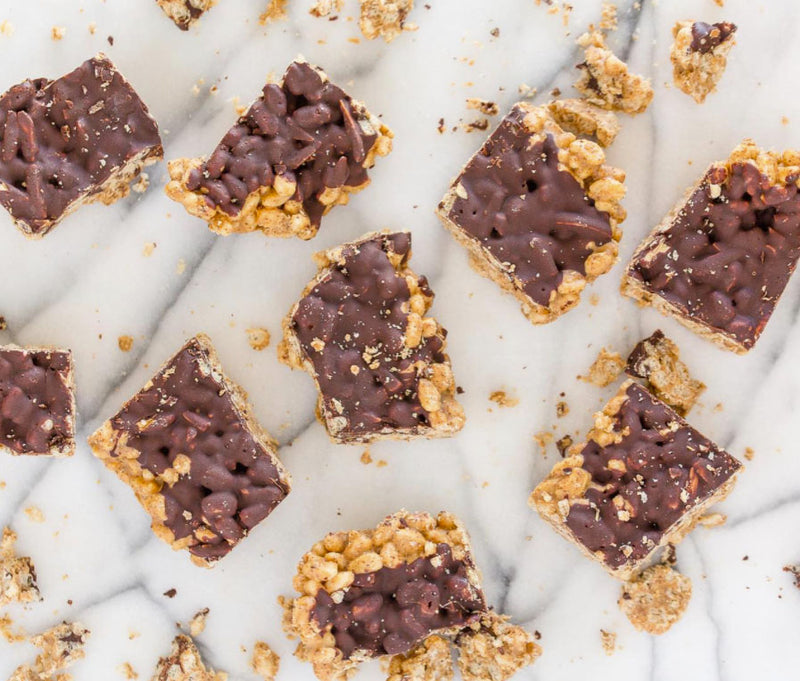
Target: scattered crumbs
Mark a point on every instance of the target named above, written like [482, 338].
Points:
[2, 323]
[127, 671]
[181, 266]
[125, 343]
[563, 444]
[608, 17]
[6, 28]
[594, 300]
[92, 27]
[198, 623]
[381, 463]
[495, 33]
[502, 399]
[6, 623]
[562, 409]
[265, 661]
[795, 570]
[441, 127]
[712, 520]
[749, 453]
[170, 593]
[609, 641]
[322, 8]
[57, 32]
[486, 107]
[110, 40]
[543, 438]
[526, 91]
[141, 185]
[258, 337]
[34, 514]
[276, 10]
[366, 457]
[605, 369]
[148, 249]
[555, 92]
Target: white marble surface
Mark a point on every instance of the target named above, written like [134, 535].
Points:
[88, 283]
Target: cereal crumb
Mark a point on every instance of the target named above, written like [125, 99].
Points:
[476, 126]
[57, 32]
[265, 661]
[125, 343]
[657, 598]
[148, 249]
[382, 463]
[605, 369]
[486, 107]
[258, 337]
[526, 91]
[2, 323]
[563, 444]
[92, 27]
[276, 10]
[543, 438]
[502, 399]
[34, 514]
[322, 8]
[17, 574]
[608, 18]
[181, 266]
[562, 409]
[749, 453]
[184, 662]
[699, 58]
[141, 185]
[712, 520]
[6, 28]
[785, 120]
[197, 624]
[366, 457]
[127, 670]
[609, 641]
[429, 661]
[6, 624]
[385, 18]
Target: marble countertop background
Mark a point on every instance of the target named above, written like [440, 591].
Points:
[89, 282]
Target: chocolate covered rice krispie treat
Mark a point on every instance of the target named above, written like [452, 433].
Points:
[184, 663]
[184, 13]
[64, 143]
[640, 482]
[360, 329]
[606, 81]
[699, 55]
[538, 210]
[17, 573]
[37, 401]
[720, 260]
[199, 463]
[302, 147]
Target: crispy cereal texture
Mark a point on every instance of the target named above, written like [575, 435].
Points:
[656, 599]
[584, 118]
[605, 369]
[17, 574]
[184, 663]
[495, 650]
[61, 646]
[265, 661]
[431, 660]
[695, 72]
[385, 18]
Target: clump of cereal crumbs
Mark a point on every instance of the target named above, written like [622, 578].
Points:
[494, 649]
[148, 249]
[486, 107]
[197, 624]
[608, 17]
[366, 457]
[265, 661]
[543, 438]
[712, 520]
[125, 343]
[35, 514]
[502, 399]
[749, 453]
[563, 444]
[184, 663]
[385, 18]
[57, 32]
[793, 569]
[258, 337]
[562, 409]
[431, 660]
[276, 10]
[322, 8]
[608, 639]
[605, 369]
[17, 573]
[657, 598]
[127, 670]
[61, 646]
[141, 185]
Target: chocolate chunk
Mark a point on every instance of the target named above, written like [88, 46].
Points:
[706, 37]
[80, 138]
[37, 402]
[189, 434]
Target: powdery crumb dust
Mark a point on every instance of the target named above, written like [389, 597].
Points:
[656, 599]
[125, 343]
[608, 17]
[6, 624]
[180, 268]
[258, 337]
[605, 369]
[503, 399]
[265, 661]
[276, 10]
[608, 639]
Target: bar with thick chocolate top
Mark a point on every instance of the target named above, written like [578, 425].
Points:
[37, 401]
[389, 611]
[707, 37]
[194, 448]
[721, 261]
[83, 137]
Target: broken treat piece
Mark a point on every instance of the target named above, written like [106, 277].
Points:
[37, 401]
[265, 661]
[184, 663]
[322, 8]
[654, 600]
[538, 211]
[584, 118]
[64, 143]
[639, 483]
[699, 56]
[193, 454]
[657, 360]
[605, 368]
[61, 646]
[371, 593]
[17, 573]
[303, 147]
[494, 650]
[431, 660]
[720, 260]
[185, 12]
[379, 363]
[385, 18]
[606, 81]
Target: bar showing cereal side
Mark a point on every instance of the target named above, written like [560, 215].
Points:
[699, 56]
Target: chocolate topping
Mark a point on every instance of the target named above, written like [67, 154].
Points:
[667, 469]
[706, 37]
[61, 140]
[729, 253]
[36, 406]
[233, 482]
[527, 212]
[359, 311]
[307, 130]
[638, 363]
[389, 611]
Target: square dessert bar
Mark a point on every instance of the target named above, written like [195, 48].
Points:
[640, 482]
[303, 147]
[720, 260]
[78, 139]
[37, 401]
[184, 13]
[379, 363]
[538, 211]
[192, 452]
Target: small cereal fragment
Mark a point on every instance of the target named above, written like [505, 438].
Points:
[141, 185]
[606, 81]
[563, 444]
[148, 249]
[584, 118]
[125, 343]
[35, 514]
[185, 664]
[6, 28]
[322, 8]
[127, 670]
[197, 625]
[699, 56]
[494, 649]
[17, 574]
[656, 599]
[486, 107]
[608, 639]
[61, 646]
[429, 661]
[265, 661]
[749, 453]
[608, 18]
[57, 32]
[366, 457]
[92, 27]
[3, 323]
[502, 399]
[605, 369]
[385, 18]
[258, 337]
[276, 10]
[543, 438]
[562, 409]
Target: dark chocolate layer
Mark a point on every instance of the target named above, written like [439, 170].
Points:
[707, 37]
[667, 469]
[729, 253]
[389, 611]
[637, 363]
[306, 130]
[526, 212]
[359, 310]
[233, 482]
[36, 410]
[61, 140]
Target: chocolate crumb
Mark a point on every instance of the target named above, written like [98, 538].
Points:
[170, 593]
[495, 32]
[563, 444]
[111, 40]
